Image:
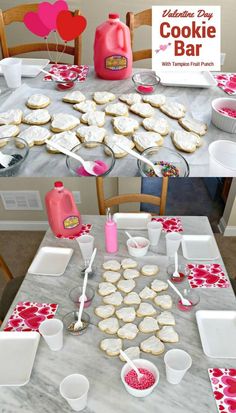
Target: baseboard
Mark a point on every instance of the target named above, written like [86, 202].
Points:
[226, 230]
[23, 225]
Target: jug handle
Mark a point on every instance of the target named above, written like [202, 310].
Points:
[124, 39]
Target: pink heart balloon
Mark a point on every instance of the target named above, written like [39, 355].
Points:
[48, 13]
[34, 25]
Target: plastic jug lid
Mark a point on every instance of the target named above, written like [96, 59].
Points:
[114, 16]
[58, 184]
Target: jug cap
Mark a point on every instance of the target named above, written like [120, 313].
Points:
[114, 16]
[58, 184]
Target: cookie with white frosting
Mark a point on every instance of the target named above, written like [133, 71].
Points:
[67, 139]
[94, 117]
[142, 109]
[128, 331]
[130, 98]
[111, 276]
[35, 135]
[109, 325]
[38, 101]
[101, 98]
[126, 314]
[159, 285]
[62, 122]
[7, 131]
[90, 134]
[111, 346]
[11, 117]
[147, 293]
[149, 270]
[186, 141]
[126, 285]
[113, 142]
[115, 299]
[74, 97]
[85, 106]
[146, 309]
[111, 265]
[164, 301]
[105, 288]
[131, 273]
[128, 263]
[160, 125]
[37, 117]
[123, 125]
[145, 140]
[153, 346]
[117, 109]
[155, 100]
[132, 352]
[132, 299]
[166, 318]
[167, 334]
[148, 325]
[174, 110]
[193, 125]
[104, 311]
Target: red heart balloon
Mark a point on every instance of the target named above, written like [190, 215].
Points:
[69, 27]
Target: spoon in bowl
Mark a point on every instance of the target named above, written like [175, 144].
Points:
[184, 301]
[176, 273]
[131, 364]
[132, 239]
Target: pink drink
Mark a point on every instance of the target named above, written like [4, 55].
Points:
[111, 234]
[112, 50]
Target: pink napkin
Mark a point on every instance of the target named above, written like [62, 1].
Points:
[223, 382]
[86, 228]
[170, 224]
[67, 72]
[227, 82]
[27, 316]
[207, 276]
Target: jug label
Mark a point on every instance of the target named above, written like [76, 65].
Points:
[116, 62]
[71, 222]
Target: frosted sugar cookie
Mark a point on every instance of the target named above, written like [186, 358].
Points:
[193, 125]
[67, 139]
[38, 101]
[113, 142]
[128, 263]
[142, 109]
[149, 270]
[148, 325]
[106, 288]
[186, 141]
[123, 125]
[160, 125]
[167, 334]
[132, 299]
[62, 122]
[104, 311]
[174, 110]
[11, 117]
[163, 301]
[132, 352]
[128, 331]
[85, 106]
[37, 117]
[94, 117]
[7, 131]
[126, 314]
[155, 100]
[111, 276]
[166, 318]
[103, 97]
[145, 140]
[111, 346]
[152, 345]
[111, 265]
[91, 134]
[115, 299]
[130, 98]
[130, 273]
[126, 285]
[147, 294]
[159, 285]
[35, 135]
[109, 325]
[74, 97]
[146, 309]
[117, 109]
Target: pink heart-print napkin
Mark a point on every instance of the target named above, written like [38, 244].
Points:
[227, 82]
[86, 228]
[223, 382]
[207, 276]
[170, 224]
[67, 72]
[27, 316]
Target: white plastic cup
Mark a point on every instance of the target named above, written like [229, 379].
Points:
[222, 158]
[86, 244]
[173, 240]
[52, 332]
[74, 389]
[154, 232]
[177, 363]
[12, 69]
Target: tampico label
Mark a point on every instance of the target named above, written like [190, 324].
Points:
[71, 222]
[116, 62]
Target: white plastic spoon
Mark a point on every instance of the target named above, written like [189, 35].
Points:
[184, 301]
[132, 239]
[131, 364]
[59, 79]
[176, 273]
[5, 159]
[88, 165]
[156, 168]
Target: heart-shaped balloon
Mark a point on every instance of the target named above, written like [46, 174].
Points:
[69, 27]
[34, 24]
[48, 13]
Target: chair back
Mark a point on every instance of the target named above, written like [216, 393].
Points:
[133, 21]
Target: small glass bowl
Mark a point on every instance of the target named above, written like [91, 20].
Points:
[13, 146]
[71, 318]
[76, 293]
[183, 272]
[145, 82]
[192, 296]
[166, 155]
[91, 151]
[67, 84]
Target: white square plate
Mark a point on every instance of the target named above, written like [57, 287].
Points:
[32, 67]
[17, 354]
[199, 247]
[131, 220]
[51, 261]
[217, 331]
[187, 79]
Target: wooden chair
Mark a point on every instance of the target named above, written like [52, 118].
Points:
[16, 14]
[133, 21]
[103, 203]
[6, 272]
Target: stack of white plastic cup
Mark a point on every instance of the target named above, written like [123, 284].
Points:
[173, 240]
[52, 332]
[154, 232]
[177, 364]
[12, 70]
[74, 389]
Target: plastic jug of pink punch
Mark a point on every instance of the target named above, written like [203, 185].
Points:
[63, 215]
[112, 49]
[111, 234]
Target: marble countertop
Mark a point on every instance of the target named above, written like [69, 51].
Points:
[82, 354]
[41, 163]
